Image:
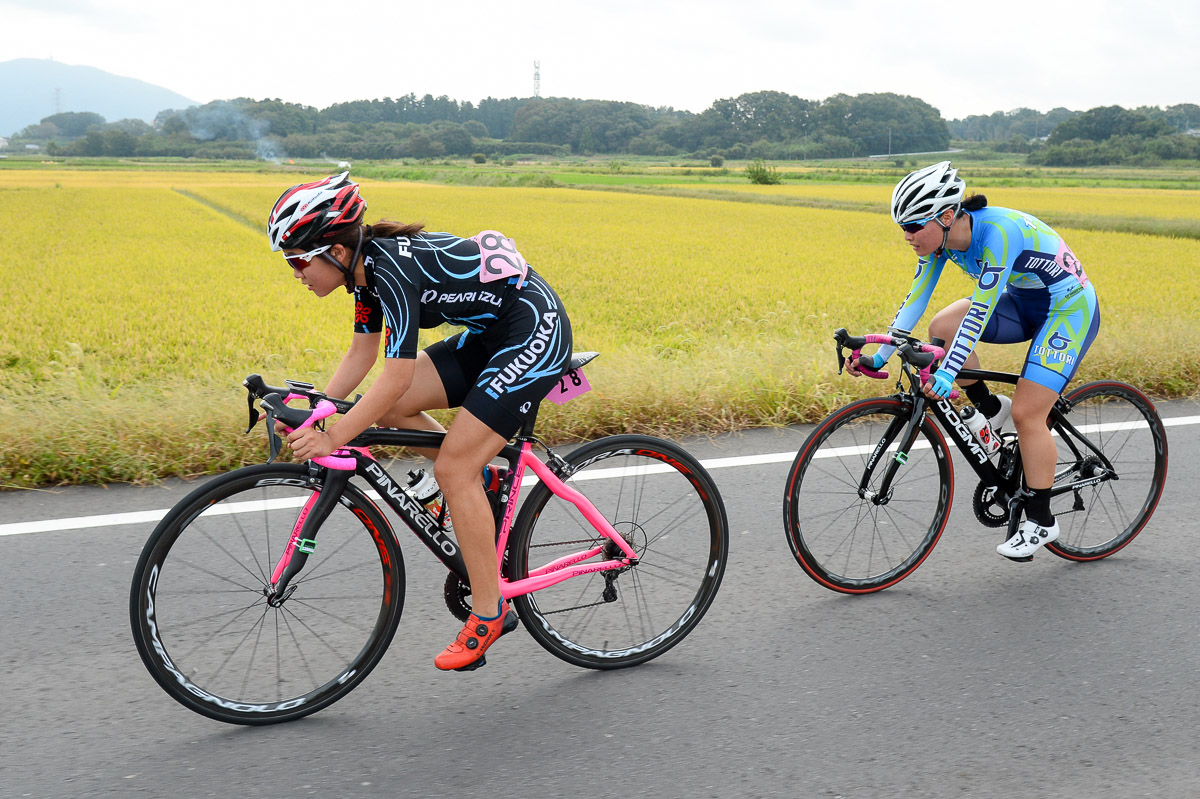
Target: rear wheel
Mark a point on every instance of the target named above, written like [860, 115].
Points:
[201, 620]
[666, 506]
[1099, 519]
[841, 536]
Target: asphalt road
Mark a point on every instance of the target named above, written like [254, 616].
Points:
[973, 677]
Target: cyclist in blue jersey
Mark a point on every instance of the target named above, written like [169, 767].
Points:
[1029, 286]
[516, 346]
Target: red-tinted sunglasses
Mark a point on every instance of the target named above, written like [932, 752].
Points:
[302, 261]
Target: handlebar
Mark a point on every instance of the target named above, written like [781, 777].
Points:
[913, 352]
[275, 399]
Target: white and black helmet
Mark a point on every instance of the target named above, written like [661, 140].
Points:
[927, 192]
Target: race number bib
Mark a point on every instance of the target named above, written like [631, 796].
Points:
[498, 258]
[572, 384]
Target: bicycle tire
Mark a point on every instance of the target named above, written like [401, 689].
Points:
[845, 542]
[665, 504]
[201, 621]
[1099, 520]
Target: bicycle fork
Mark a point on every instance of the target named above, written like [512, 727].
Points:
[303, 541]
[907, 439]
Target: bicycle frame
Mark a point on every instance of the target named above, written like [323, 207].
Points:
[947, 416]
[428, 529]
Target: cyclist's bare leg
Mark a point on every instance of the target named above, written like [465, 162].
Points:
[945, 324]
[470, 445]
[425, 393]
[1039, 455]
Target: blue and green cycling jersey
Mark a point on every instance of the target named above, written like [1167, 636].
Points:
[1017, 254]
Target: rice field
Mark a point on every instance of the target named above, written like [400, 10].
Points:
[138, 300]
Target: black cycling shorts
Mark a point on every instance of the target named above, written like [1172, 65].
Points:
[501, 373]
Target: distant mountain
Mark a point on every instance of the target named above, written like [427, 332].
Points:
[32, 89]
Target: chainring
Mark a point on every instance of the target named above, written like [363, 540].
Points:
[984, 507]
[458, 597]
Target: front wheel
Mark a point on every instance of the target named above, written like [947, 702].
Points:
[664, 504]
[199, 610]
[1099, 519]
[846, 531]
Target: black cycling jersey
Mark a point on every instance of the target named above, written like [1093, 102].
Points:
[518, 338]
[422, 282]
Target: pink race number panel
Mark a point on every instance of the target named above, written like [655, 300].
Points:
[572, 385]
[499, 259]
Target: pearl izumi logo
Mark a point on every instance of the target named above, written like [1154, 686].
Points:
[527, 357]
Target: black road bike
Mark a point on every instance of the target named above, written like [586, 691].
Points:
[869, 493]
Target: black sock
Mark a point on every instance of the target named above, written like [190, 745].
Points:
[982, 398]
[1037, 507]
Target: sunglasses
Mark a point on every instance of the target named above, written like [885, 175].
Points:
[916, 227]
[302, 261]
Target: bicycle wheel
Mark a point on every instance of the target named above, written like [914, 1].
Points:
[1097, 520]
[848, 543]
[204, 628]
[661, 501]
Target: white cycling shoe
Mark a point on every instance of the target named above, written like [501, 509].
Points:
[1002, 415]
[1029, 538]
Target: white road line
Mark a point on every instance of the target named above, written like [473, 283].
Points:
[153, 516]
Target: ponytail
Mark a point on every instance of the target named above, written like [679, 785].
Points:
[383, 229]
[976, 202]
[388, 229]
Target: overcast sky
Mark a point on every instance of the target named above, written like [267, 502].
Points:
[965, 57]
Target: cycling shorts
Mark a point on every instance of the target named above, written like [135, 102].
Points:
[1059, 330]
[501, 373]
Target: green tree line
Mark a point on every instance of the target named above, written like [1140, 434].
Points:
[758, 125]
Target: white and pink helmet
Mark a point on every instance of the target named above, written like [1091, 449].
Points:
[309, 212]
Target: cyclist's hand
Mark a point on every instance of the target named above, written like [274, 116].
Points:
[939, 385]
[873, 362]
[310, 443]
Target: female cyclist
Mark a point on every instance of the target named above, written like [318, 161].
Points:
[1029, 287]
[516, 346]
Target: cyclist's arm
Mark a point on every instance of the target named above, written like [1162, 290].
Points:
[929, 269]
[355, 365]
[395, 379]
[999, 252]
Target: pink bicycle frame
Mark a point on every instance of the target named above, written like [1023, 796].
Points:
[550, 574]
[568, 566]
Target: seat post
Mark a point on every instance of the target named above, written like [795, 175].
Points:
[530, 420]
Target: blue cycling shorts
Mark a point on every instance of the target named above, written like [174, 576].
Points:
[1059, 330]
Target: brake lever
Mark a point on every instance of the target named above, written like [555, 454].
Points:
[254, 414]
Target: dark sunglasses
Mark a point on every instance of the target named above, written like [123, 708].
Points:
[916, 227]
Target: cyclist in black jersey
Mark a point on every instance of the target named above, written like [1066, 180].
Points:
[516, 346]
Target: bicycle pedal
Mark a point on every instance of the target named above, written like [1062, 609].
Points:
[471, 667]
[1025, 559]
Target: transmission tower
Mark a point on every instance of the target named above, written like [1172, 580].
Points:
[537, 78]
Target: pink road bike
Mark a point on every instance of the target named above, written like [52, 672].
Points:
[270, 592]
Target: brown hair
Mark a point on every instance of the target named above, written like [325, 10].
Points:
[383, 229]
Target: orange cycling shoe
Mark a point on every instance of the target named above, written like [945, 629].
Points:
[466, 653]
